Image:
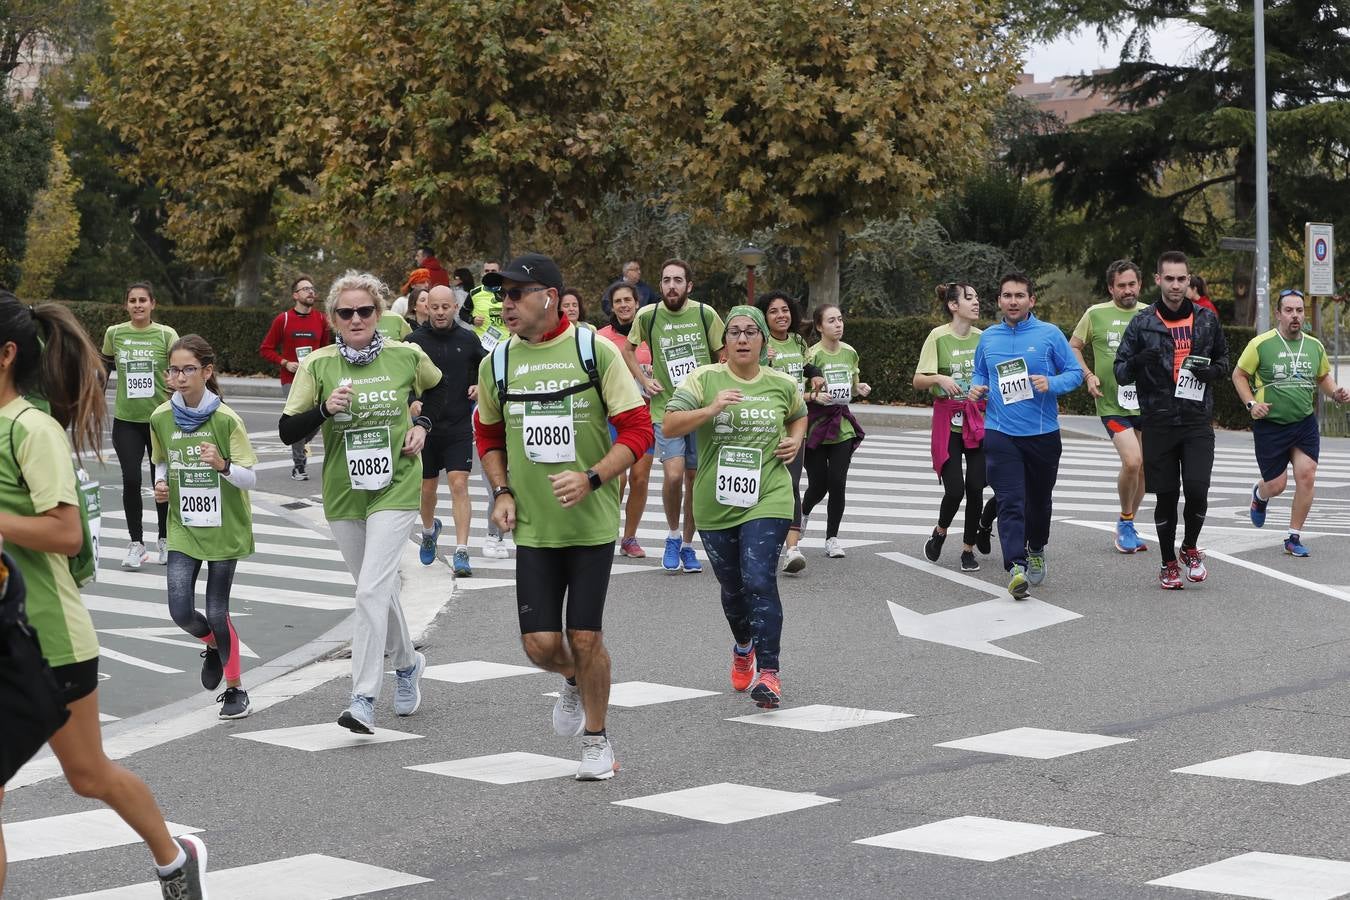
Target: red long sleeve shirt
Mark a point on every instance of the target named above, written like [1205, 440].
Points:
[290, 334]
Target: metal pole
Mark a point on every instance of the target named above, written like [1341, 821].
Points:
[1262, 286]
[750, 285]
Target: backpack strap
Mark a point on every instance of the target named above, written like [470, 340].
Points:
[586, 353]
[585, 343]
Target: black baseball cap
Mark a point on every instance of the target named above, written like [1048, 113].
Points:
[532, 268]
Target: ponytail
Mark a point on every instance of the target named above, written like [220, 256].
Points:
[198, 347]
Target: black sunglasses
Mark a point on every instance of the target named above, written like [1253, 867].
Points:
[514, 294]
[346, 312]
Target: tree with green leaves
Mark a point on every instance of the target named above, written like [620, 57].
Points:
[468, 117]
[811, 117]
[25, 147]
[1177, 168]
[53, 229]
[215, 102]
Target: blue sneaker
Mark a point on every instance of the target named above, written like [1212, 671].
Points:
[408, 686]
[427, 553]
[360, 715]
[461, 562]
[689, 561]
[1036, 567]
[1258, 510]
[1294, 547]
[1127, 539]
[670, 560]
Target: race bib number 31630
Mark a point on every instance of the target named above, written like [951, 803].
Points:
[738, 476]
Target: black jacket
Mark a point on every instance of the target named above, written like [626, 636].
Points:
[457, 352]
[1144, 359]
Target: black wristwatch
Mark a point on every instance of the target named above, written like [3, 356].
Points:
[423, 421]
[1250, 404]
[504, 489]
[594, 478]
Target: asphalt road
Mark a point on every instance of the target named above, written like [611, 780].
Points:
[1145, 682]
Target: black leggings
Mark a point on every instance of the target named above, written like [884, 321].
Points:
[1165, 517]
[827, 473]
[795, 473]
[131, 443]
[970, 487]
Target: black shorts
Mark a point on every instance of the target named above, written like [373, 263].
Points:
[1275, 444]
[545, 574]
[452, 452]
[77, 680]
[1174, 455]
[1116, 424]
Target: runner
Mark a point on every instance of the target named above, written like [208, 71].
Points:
[1173, 352]
[1284, 426]
[751, 421]
[1198, 293]
[1031, 363]
[832, 433]
[946, 364]
[296, 333]
[139, 351]
[449, 448]
[418, 311]
[683, 334]
[487, 324]
[574, 309]
[621, 298]
[787, 354]
[45, 354]
[543, 398]
[1101, 328]
[204, 464]
[393, 325]
[358, 390]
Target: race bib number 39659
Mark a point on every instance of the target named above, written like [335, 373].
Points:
[140, 378]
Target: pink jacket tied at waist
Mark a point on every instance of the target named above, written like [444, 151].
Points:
[972, 429]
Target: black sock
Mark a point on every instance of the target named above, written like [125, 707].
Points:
[588, 733]
[572, 681]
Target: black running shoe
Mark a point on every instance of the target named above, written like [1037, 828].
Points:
[968, 562]
[982, 542]
[189, 881]
[234, 704]
[212, 668]
[933, 548]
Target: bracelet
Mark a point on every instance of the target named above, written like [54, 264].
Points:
[423, 421]
[503, 489]
[226, 470]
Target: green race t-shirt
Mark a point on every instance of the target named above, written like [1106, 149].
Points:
[364, 469]
[680, 341]
[1101, 328]
[141, 356]
[789, 357]
[1286, 373]
[209, 518]
[393, 326]
[487, 305]
[739, 478]
[36, 475]
[840, 368]
[567, 435]
[944, 353]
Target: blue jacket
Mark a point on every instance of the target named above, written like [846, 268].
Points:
[1046, 352]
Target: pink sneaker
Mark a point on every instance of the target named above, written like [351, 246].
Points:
[630, 548]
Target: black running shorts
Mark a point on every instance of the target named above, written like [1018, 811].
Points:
[544, 575]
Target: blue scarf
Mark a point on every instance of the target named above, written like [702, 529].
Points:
[188, 418]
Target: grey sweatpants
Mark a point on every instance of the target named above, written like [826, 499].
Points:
[371, 549]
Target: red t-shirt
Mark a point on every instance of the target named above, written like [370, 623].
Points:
[290, 333]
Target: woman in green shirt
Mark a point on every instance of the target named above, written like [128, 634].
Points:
[45, 354]
[139, 350]
[204, 462]
[750, 421]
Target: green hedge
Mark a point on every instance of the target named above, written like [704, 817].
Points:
[889, 349]
[234, 333]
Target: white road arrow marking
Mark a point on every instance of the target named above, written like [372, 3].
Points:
[180, 639]
[974, 626]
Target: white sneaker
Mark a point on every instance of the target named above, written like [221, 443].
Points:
[832, 548]
[795, 561]
[495, 548]
[135, 555]
[569, 716]
[163, 548]
[597, 759]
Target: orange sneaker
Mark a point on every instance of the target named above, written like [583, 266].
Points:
[742, 669]
[768, 690]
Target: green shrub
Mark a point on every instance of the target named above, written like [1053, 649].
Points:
[233, 333]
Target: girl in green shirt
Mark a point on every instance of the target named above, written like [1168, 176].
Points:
[139, 350]
[46, 354]
[204, 464]
[787, 354]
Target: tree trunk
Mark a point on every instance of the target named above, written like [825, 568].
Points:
[824, 285]
[248, 276]
[1244, 211]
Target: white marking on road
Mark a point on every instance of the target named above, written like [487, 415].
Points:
[1276, 768]
[978, 838]
[137, 662]
[1273, 876]
[726, 803]
[503, 768]
[323, 736]
[162, 636]
[1034, 743]
[309, 877]
[476, 670]
[73, 833]
[974, 626]
[820, 718]
[643, 693]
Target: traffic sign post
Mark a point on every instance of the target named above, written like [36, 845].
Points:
[1319, 251]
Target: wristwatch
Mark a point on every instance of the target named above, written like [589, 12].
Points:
[504, 489]
[1250, 404]
[594, 478]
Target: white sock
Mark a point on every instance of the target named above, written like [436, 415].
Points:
[462, 547]
[674, 534]
[178, 863]
[1257, 491]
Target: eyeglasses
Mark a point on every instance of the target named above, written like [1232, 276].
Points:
[1291, 292]
[749, 334]
[514, 294]
[189, 371]
[307, 289]
[346, 312]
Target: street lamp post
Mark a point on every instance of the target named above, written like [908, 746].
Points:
[1262, 286]
[751, 256]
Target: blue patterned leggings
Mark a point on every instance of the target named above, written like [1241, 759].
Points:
[745, 561]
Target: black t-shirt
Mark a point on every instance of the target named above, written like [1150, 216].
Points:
[457, 352]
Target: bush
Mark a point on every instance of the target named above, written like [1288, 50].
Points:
[233, 333]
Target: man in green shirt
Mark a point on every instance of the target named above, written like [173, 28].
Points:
[1118, 405]
[1285, 367]
[683, 334]
[544, 397]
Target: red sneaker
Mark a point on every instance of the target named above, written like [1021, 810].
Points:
[1170, 576]
[1194, 560]
[630, 548]
[742, 669]
[768, 690]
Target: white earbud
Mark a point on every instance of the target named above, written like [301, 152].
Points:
[547, 301]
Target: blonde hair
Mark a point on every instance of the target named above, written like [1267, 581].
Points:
[352, 280]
